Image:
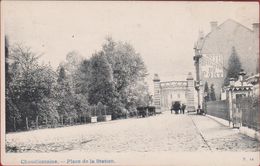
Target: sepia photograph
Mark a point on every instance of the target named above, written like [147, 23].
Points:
[130, 83]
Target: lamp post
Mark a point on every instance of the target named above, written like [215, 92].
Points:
[196, 59]
[230, 95]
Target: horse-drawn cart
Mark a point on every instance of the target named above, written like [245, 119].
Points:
[146, 111]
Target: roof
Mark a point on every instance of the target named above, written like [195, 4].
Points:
[242, 84]
[221, 27]
[253, 79]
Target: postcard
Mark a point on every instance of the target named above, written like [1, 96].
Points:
[130, 83]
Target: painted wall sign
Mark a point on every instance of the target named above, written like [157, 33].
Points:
[212, 66]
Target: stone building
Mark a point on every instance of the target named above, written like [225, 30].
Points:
[216, 47]
[167, 92]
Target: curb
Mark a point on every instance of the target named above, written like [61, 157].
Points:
[243, 130]
[201, 134]
[219, 120]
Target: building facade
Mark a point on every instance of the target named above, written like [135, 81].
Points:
[254, 80]
[165, 93]
[216, 48]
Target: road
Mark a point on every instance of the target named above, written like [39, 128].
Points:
[162, 133]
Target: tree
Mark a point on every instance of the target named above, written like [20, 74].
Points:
[71, 66]
[206, 92]
[81, 106]
[48, 112]
[113, 76]
[212, 93]
[83, 78]
[129, 72]
[30, 83]
[101, 87]
[65, 97]
[7, 72]
[12, 113]
[25, 90]
[234, 66]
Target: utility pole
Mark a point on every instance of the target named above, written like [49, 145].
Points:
[196, 59]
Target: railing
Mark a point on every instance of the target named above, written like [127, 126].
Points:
[218, 109]
[250, 111]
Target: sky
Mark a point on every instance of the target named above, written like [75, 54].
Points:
[163, 33]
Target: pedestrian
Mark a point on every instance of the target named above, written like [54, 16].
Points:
[199, 110]
[171, 108]
[183, 106]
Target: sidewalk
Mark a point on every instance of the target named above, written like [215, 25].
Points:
[219, 137]
[243, 130]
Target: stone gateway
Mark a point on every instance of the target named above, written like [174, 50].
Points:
[165, 93]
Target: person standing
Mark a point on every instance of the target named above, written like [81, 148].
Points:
[172, 108]
[199, 110]
[183, 106]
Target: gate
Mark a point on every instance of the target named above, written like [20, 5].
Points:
[237, 113]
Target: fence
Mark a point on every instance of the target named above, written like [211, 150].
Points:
[250, 112]
[28, 123]
[218, 109]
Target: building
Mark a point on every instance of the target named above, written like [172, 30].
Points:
[216, 47]
[240, 88]
[254, 80]
[167, 92]
[237, 91]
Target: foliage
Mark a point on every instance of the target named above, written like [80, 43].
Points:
[114, 76]
[65, 96]
[212, 93]
[84, 78]
[101, 88]
[234, 66]
[71, 65]
[129, 72]
[12, 112]
[110, 82]
[206, 92]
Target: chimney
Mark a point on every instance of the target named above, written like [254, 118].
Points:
[214, 25]
[256, 27]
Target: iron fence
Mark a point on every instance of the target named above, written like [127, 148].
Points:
[250, 111]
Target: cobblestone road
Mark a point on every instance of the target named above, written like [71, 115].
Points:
[162, 133]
